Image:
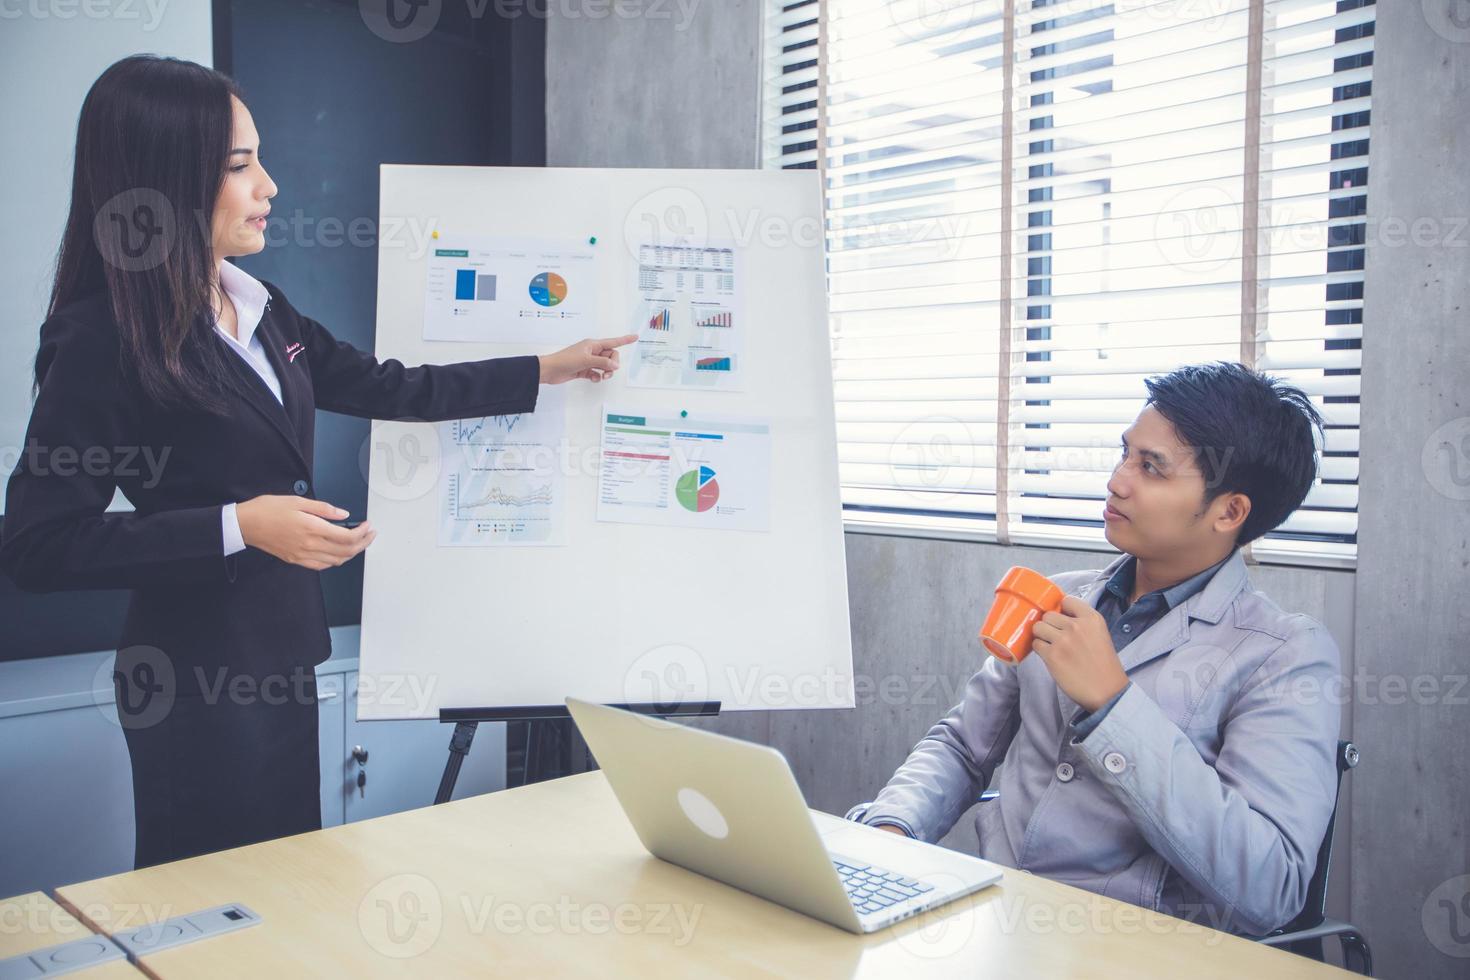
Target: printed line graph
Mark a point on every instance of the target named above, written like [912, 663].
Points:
[492, 425]
[661, 357]
[502, 485]
[540, 496]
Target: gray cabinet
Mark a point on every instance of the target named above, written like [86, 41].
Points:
[331, 697]
[405, 760]
[66, 813]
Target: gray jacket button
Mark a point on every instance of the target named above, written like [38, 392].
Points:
[1064, 772]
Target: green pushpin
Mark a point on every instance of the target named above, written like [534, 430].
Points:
[592, 240]
[684, 414]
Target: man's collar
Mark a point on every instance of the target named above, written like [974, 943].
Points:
[1120, 584]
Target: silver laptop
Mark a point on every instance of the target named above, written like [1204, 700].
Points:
[732, 811]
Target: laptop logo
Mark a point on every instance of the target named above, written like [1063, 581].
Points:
[703, 813]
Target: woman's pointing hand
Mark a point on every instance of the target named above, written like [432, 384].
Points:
[590, 360]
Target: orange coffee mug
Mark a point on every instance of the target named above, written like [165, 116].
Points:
[1021, 599]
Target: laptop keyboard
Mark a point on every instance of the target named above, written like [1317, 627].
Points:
[874, 889]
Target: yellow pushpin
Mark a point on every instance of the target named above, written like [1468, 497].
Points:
[435, 235]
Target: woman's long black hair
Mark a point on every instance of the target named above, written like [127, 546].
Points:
[153, 148]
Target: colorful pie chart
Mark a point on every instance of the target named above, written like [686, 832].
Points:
[697, 490]
[548, 289]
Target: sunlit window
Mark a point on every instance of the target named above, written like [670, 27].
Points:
[1032, 206]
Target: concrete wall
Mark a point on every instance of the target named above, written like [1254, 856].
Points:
[916, 603]
[1411, 842]
[666, 85]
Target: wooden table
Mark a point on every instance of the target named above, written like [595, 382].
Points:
[33, 921]
[550, 880]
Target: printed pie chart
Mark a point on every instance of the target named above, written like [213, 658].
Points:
[548, 289]
[697, 490]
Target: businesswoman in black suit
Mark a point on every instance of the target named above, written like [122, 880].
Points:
[172, 375]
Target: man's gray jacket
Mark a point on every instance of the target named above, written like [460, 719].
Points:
[1204, 792]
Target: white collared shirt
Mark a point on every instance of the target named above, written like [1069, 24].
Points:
[249, 297]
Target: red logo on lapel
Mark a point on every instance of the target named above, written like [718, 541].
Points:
[292, 350]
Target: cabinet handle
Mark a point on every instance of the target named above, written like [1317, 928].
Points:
[326, 695]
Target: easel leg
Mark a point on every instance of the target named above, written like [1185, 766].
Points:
[459, 747]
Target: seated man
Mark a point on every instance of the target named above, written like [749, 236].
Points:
[1170, 742]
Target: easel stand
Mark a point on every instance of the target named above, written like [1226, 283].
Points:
[547, 726]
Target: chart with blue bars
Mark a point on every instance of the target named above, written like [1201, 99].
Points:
[472, 285]
[510, 290]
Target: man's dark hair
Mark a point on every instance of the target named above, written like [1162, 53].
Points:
[1251, 434]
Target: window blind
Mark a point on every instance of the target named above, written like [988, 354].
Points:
[1032, 206]
[789, 99]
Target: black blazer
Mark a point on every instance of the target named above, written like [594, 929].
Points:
[194, 611]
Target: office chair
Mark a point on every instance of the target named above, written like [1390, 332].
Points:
[1303, 935]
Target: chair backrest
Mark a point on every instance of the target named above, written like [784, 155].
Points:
[1315, 909]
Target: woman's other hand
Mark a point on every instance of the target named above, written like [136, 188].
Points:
[297, 530]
